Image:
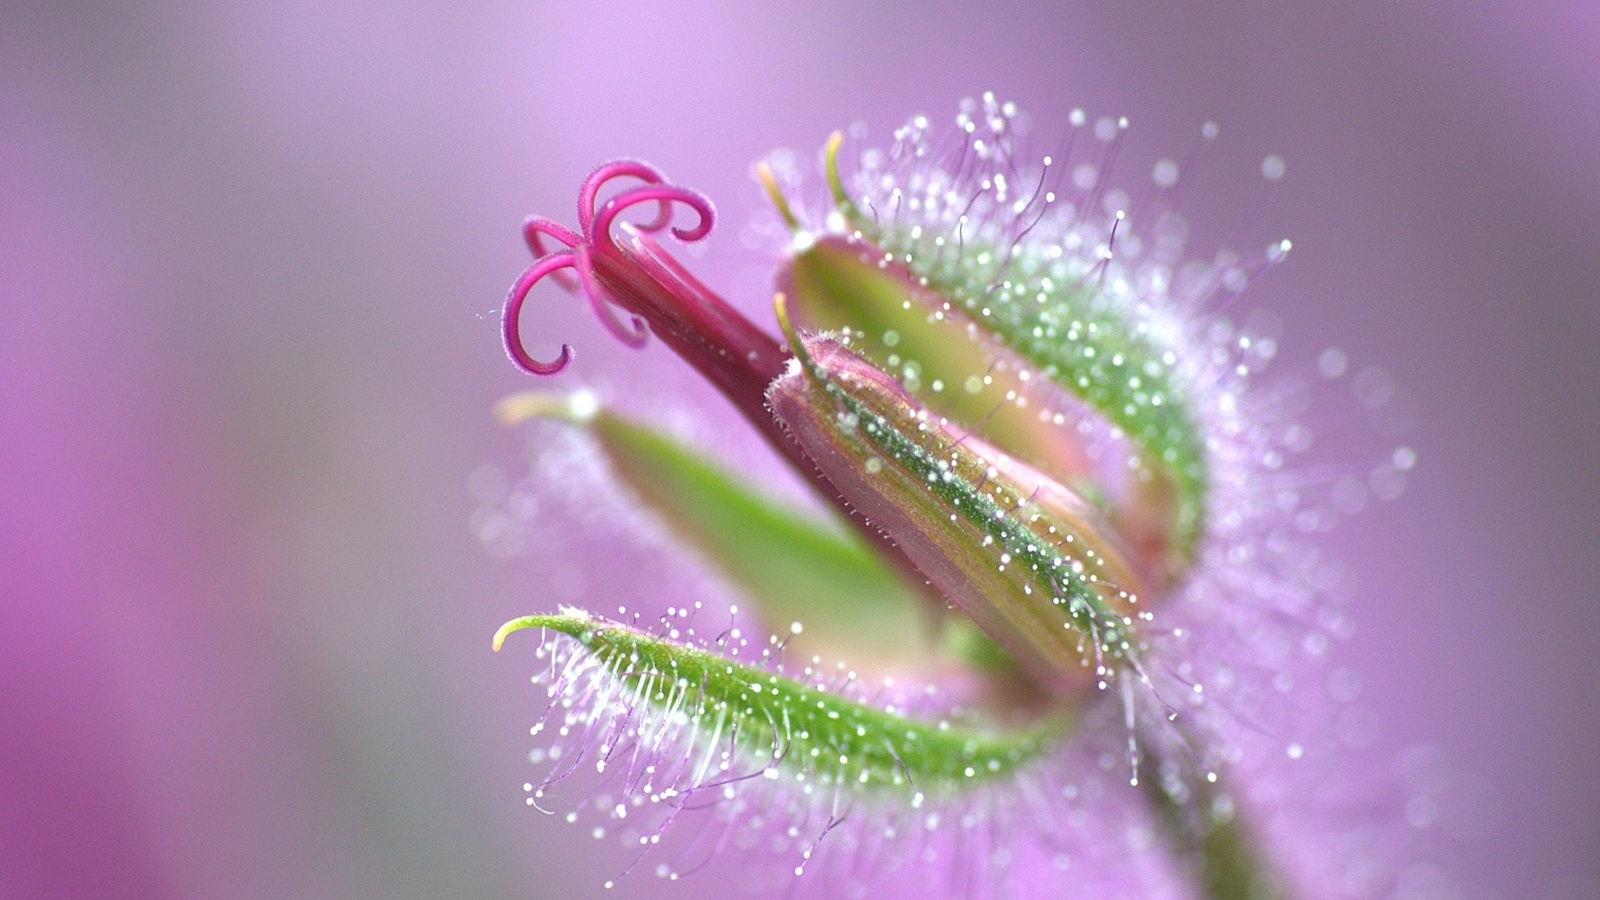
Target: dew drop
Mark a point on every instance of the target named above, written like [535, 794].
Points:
[1333, 362]
[1165, 173]
[1404, 458]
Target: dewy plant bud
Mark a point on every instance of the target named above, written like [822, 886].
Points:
[1016, 551]
[1027, 653]
[1015, 339]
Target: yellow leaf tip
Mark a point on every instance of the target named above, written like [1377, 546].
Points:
[578, 407]
[769, 183]
[507, 628]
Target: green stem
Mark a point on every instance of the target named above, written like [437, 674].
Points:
[1208, 834]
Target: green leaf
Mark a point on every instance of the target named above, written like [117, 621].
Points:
[687, 699]
[795, 569]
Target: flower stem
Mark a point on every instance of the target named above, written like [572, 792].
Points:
[1208, 833]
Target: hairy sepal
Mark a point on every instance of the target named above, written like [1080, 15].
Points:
[695, 719]
[954, 363]
[985, 239]
[821, 583]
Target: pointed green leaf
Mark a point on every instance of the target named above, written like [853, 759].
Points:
[795, 569]
[687, 699]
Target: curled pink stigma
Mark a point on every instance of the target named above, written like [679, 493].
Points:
[583, 251]
[665, 194]
[510, 319]
[589, 192]
[535, 229]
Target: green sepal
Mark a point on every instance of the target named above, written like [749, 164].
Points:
[973, 360]
[800, 728]
[935, 291]
[955, 369]
[794, 568]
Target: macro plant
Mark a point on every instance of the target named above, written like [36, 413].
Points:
[1043, 643]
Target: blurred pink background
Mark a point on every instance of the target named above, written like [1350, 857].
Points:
[251, 258]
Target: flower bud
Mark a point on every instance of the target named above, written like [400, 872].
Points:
[1031, 349]
[967, 373]
[1027, 558]
[1041, 425]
